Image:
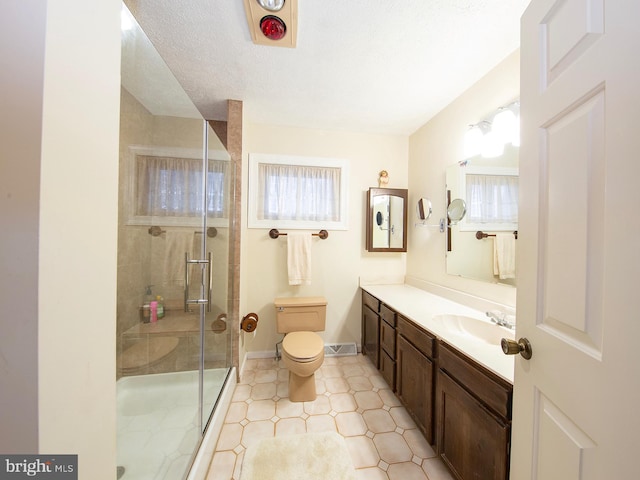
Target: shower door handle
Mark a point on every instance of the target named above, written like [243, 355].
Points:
[209, 281]
[199, 301]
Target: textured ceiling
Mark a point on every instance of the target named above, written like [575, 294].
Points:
[359, 65]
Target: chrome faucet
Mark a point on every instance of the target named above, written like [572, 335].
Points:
[501, 319]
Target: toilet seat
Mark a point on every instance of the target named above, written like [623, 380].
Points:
[302, 347]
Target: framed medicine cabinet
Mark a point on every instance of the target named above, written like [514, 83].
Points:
[387, 220]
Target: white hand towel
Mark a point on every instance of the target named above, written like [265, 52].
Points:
[504, 255]
[299, 258]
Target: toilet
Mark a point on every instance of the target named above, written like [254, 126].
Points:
[302, 349]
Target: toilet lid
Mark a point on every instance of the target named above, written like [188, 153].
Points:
[302, 345]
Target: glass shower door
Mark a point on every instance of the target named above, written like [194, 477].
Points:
[216, 335]
[175, 202]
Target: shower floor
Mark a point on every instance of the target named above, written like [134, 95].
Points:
[157, 422]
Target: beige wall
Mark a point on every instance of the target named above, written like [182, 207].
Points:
[432, 148]
[337, 262]
[78, 225]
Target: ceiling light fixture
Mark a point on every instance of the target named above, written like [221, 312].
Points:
[271, 5]
[273, 27]
[272, 23]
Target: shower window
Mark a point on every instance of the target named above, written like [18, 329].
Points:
[169, 187]
[297, 192]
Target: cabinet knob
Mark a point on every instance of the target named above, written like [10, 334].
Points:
[522, 346]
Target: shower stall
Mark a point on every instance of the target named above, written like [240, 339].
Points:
[174, 348]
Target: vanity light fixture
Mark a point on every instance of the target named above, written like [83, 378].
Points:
[489, 137]
[492, 144]
[506, 123]
[473, 141]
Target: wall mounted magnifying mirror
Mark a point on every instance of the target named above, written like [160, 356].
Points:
[387, 220]
[456, 211]
[424, 209]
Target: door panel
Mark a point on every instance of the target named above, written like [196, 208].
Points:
[578, 235]
[571, 251]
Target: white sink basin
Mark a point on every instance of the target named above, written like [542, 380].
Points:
[480, 330]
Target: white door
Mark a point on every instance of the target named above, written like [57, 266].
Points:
[577, 401]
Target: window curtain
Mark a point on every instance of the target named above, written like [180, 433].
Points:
[297, 192]
[167, 186]
[492, 198]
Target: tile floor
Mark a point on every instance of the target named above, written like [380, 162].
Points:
[353, 400]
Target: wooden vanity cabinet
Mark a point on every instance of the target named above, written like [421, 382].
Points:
[462, 408]
[371, 328]
[473, 417]
[415, 364]
[388, 345]
[379, 336]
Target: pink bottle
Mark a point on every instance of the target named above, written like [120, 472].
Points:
[153, 306]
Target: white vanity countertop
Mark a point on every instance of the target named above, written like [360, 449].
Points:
[420, 306]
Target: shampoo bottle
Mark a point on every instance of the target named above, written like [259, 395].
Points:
[160, 307]
[153, 306]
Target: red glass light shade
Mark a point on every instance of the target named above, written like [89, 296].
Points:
[273, 27]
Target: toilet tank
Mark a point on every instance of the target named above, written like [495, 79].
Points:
[300, 314]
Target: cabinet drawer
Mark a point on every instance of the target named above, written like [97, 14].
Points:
[370, 301]
[490, 389]
[388, 314]
[388, 370]
[388, 339]
[423, 341]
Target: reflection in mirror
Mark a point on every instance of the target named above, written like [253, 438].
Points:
[424, 209]
[456, 211]
[475, 257]
[387, 220]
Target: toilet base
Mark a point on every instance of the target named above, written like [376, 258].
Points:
[302, 389]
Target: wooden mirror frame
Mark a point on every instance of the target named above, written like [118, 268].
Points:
[394, 192]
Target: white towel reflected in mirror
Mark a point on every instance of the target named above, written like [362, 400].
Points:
[504, 255]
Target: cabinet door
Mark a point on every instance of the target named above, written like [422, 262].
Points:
[370, 334]
[414, 385]
[388, 338]
[388, 369]
[470, 439]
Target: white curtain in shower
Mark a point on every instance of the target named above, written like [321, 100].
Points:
[168, 186]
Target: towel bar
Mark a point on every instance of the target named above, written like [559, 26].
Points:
[323, 234]
[156, 231]
[480, 234]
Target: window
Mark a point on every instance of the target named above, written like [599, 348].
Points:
[167, 187]
[491, 196]
[297, 192]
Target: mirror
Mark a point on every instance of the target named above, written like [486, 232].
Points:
[471, 239]
[424, 209]
[456, 211]
[387, 220]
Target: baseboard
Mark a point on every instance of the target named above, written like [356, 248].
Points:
[262, 354]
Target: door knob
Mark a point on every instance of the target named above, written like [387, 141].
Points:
[522, 346]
